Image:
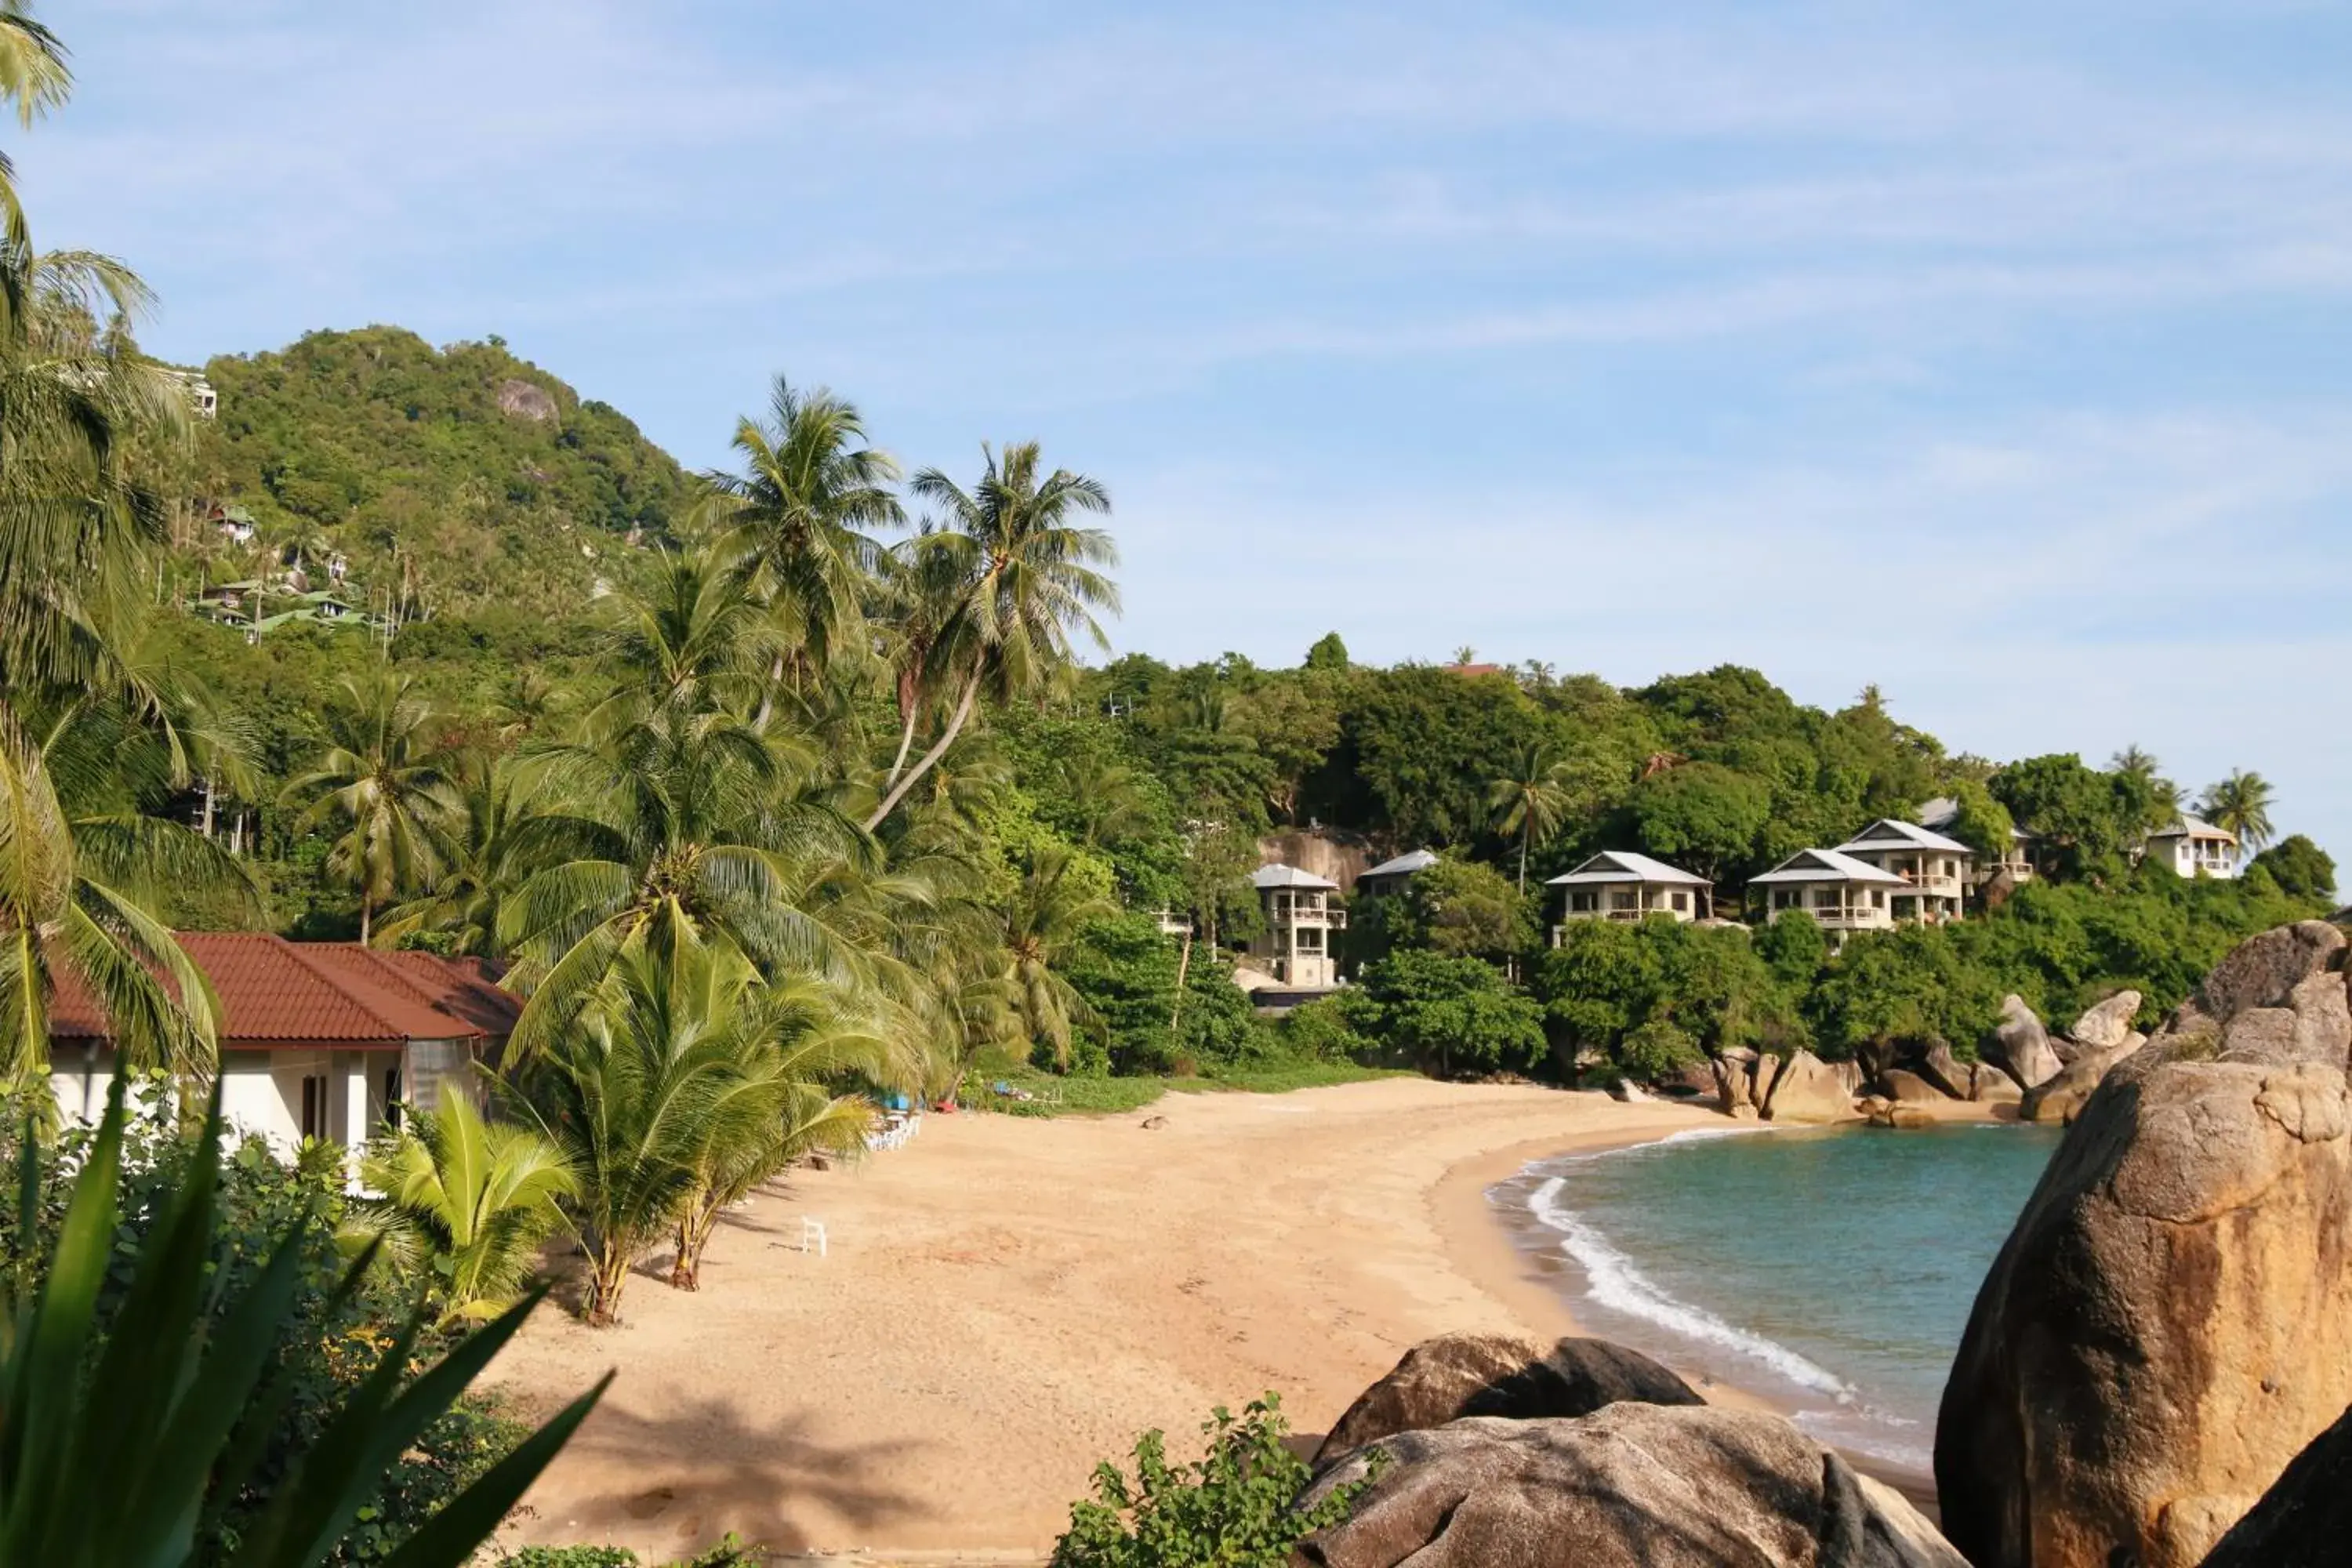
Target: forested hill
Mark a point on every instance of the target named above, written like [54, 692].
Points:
[492, 479]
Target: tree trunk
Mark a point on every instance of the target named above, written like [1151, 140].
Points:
[694, 1228]
[1184, 965]
[367, 918]
[1525, 833]
[208, 805]
[608, 1272]
[930, 758]
[767, 698]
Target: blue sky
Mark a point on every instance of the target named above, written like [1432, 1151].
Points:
[1995, 353]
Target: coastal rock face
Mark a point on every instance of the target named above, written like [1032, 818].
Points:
[1454, 1376]
[1809, 1090]
[2109, 1024]
[1909, 1087]
[2169, 1324]
[2265, 971]
[2062, 1099]
[1987, 1085]
[1945, 1070]
[2025, 1044]
[1733, 1077]
[2304, 1520]
[1635, 1486]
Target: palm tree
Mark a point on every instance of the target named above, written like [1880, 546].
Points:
[1532, 802]
[1049, 909]
[466, 1204]
[33, 78]
[2144, 772]
[1108, 798]
[1028, 581]
[798, 517]
[389, 778]
[2240, 805]
[637, 1095]
[500, 832]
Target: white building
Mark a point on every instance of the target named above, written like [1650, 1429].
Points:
[1390, 875]
[1295, 947]
[1841, 893]
[1935, 870]
[1619, 885]
[1942, 814]
[318, 1041]
[2194, 848]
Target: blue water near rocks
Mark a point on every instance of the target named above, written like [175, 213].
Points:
[1832, 1271]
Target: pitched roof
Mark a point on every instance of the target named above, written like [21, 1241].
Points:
[1827, 866]
[277, 993]
[1625, 865]
[1942, 814]
[1889, 831]
[1288, 877]
[2188, 826]
[1404, 865]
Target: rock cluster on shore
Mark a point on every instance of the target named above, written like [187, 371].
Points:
[2155, 1376]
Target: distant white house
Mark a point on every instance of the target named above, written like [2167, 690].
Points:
[1935, 870]
[1842, 893]
[1619, 885]
[1295, 947]
[1390, 875]
[1942, 814]
[2194, 846]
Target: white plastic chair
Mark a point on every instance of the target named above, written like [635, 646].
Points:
[813, 1230]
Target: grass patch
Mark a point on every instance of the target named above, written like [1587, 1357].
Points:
[1081, 1094]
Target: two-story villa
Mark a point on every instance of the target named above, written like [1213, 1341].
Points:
[2194, 846]
[1935, 870]
[1619, 885]
[1294, 946]
[1841, 893]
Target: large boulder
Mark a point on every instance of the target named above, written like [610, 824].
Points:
[1809, 1090]
[1768, 1073]
[2168, 1324]
[2304, 1520]
[2062, 1098]
[2109, 1024]
[1909, 1087]
[2024, 1044]
[1735, 1082]
[1950, 1076]
[1987, 1085]
[1636, 1486]
[1454, 1375]
[2264, 971]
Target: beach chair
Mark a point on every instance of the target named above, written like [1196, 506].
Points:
[813, 1231]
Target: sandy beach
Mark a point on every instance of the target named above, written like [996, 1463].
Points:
[1007, 1301]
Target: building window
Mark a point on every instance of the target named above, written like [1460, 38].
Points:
[1623, 902]
[1682, 903]
[1877, 897]
[314, 1107]
[1310, 939]
[1825, 897]
[1584, 903]
[392, 1098]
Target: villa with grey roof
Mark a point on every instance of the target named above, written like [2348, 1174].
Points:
[1294, 946]
[1934, 869]
[1844, 894]
[2194, 846]
[1619, 885]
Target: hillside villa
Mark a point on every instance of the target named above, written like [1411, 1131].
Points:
[1390, 875]
[1295, 946]
[1841, 893]
[323, 1040]
[2194, 846]
[1934, 869]
[1619, 885]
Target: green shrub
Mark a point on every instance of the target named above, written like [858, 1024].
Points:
[732, 1553]
[1230, 1509]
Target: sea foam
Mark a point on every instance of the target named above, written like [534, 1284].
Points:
[1614, 1281]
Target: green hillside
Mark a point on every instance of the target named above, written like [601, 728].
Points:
[458, 476]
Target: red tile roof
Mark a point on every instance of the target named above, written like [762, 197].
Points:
[276, 993]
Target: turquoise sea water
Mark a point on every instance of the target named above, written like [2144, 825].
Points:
[1831, 1270]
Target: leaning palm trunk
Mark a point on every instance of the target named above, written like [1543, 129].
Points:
[807, 1121]
[930, 759]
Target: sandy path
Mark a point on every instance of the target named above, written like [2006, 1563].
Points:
[1008, 1301]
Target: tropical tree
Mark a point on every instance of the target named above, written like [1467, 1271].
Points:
[800, 516]
[1106, 799]
[1027, 580]
[501, 831]
[465, 1203]
[388, 778]
[1048, 914]
[1531, 800]
[32, 81]
[2240, 805]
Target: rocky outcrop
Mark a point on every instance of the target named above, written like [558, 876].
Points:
[2265, 971]
[1809, 1090]
[1735, 1092]
[2169, 1323]
[1987, 1085]
[2024, 1044]
[2109, 1024]
[1945, 1071]
[1454, 1376]
[1636, 1486]
[2304, 1520]
[527, 399]
[2062, 1099]
[1768, 1073]
[1909, 1087]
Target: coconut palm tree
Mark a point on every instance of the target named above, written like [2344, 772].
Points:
[638, 1094]
[389, 778]
[465, 1203]
[1050, 908]
[2240, 805]
[32, 81]
[800, 518]
[2161, 795]
[501, 831]
[1532, 802]
[1108, 798]
[1029, 581]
